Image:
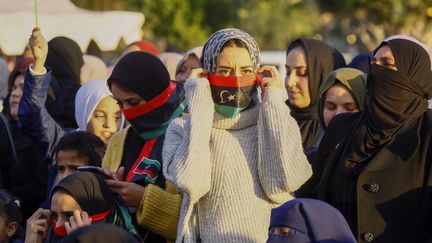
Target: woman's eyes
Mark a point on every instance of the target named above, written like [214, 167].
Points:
[299, 72]
[133, 103]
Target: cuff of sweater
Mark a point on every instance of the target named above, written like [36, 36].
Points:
[159, 211]
[44, 71]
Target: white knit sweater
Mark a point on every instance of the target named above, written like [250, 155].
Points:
[232, 171]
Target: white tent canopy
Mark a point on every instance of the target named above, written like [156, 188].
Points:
[63, 18]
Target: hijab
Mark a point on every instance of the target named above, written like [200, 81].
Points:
[87, 99]
[321, 60]
[214, 45]
[93, 69]
[397, 99]
[361, 62]
[65, 59]
[171, 61]
[196, 51]
[352, 79]
[310, 220]
[89, 190]
[146, 46]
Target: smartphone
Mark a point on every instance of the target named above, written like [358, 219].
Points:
[95, 170]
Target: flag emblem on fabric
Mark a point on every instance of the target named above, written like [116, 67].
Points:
[149, 168]
[232, 94]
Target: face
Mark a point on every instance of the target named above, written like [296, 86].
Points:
[68, 162]
[125, 97]
[7, 229]
[105, 119]
[297, 78]
[15, 96]
[384, 57]
[234, 61]
[62, 207]
[337, 100]
[185, 69]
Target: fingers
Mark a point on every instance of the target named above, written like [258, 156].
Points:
[40, 212]
[116, 184]
[108, 173]
[68, 227]
[120, 173]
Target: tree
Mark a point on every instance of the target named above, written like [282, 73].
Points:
[372, 21]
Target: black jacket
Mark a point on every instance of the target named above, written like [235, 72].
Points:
[26, 178]
[394, 190]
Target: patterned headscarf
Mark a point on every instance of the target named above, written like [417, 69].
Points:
[214, 45]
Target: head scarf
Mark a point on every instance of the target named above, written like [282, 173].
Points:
[99, 233]
[171, 60]
[397, 99]
[86, 100]
[352, 79]
[361, 62]
[310, 220]
[321, 60]
[196, 51]
[93, 69]
[146, 46]
[89, 190]
[66, 59]
[214, 44]
[4, 74]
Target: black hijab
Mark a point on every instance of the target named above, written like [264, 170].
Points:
[397, 99]
[89, 190]
[321, 60]
[65, 59]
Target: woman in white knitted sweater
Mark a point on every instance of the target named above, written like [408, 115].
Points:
[234, 157]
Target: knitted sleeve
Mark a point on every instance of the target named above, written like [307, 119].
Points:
[186, 152]
[159, 211]
[282, 165]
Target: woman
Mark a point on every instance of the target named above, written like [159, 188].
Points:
[77, 200]
[308, 62]
[307, 220]
[150, 101]
[190, 61]
[362, 153]
[26, 177]
[344, 90]
[170, 60]
[235, 157]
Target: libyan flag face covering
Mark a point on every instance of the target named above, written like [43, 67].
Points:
[232, 94]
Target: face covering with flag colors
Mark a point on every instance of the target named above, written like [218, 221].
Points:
[150, 121]
[232, 94]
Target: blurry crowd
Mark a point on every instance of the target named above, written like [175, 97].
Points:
[211, 146]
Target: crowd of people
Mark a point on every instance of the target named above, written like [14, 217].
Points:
[210, 146]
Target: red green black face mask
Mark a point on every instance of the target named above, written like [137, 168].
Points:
[232, 94]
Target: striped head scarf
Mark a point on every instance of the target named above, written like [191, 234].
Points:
[214, 44]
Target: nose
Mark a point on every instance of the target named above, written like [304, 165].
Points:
[291, 80]
[236, 72]
[110, 122]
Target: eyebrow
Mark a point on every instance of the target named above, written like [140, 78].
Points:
[297, 67]
[227, 67]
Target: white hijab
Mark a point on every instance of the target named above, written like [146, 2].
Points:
[86, 100]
